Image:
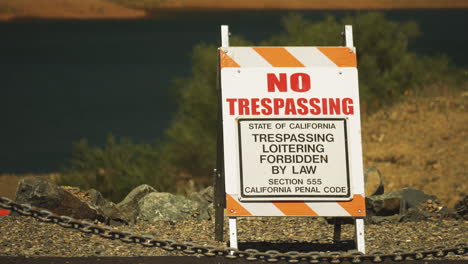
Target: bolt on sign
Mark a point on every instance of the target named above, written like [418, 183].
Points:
[291, 131]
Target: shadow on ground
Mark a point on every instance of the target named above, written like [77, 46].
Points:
[343, 245]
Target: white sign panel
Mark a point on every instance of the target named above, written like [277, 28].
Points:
[291, 126]
[293, 158]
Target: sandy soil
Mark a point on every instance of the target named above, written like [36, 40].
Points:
[82, 9]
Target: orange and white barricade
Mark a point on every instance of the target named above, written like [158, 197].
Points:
[291, 132]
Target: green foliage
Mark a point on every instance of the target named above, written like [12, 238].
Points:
[387, 69]
[115, 169]
[191, 138]
[301, 32]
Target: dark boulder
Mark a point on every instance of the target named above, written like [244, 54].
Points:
[40, 192]
[461, 207]
[403, 205]
[396, 202]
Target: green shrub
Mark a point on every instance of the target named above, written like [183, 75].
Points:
[387, 69]
[115, 169]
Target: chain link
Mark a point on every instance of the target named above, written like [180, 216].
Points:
[270, 256]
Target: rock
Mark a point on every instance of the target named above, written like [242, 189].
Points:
[383, 205]
[136, 194]
[210, 210]
[374, 184]
[97, 200]
[127, 210]
[414, 198]
[435, 208]
[382, 219]
[406, 203]
[204, 196]
[414, 214]
[42, 193]
[461, 207]
[157, 206]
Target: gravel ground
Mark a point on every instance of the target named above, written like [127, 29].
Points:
[25, 236]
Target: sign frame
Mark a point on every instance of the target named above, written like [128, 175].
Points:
[232, 201]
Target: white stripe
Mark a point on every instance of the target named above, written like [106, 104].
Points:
[269, 209]
[310, 57]
[328, 209]
[262, 209]
[247, 57]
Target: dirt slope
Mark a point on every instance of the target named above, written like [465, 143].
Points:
[76, 9]
[421, 143]
[294, 4]
[104, 9]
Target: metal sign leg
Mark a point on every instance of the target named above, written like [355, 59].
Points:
[219, 205]
[337, 230]
[220, 194]
[233, 232]
[360, 243]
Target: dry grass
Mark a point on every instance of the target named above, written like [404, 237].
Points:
[421, 143]
[102, 9]
[82, 9]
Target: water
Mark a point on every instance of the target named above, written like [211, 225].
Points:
[66, 80]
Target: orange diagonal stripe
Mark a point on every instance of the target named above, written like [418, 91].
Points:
[234, 208]
[227, 61]
[295, 208]
[278, 57]
[341, 56]
[355, 207]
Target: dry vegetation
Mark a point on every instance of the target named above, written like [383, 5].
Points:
[421, 143]
[105, 9]
[82, 9]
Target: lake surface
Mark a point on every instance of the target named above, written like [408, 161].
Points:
[66, 80]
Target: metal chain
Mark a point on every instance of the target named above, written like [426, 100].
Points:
[270, 256]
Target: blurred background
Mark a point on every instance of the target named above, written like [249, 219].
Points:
[110, 94]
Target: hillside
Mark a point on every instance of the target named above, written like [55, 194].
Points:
[69, 9]
[110, 9]
[421, 143]
[295, 4]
